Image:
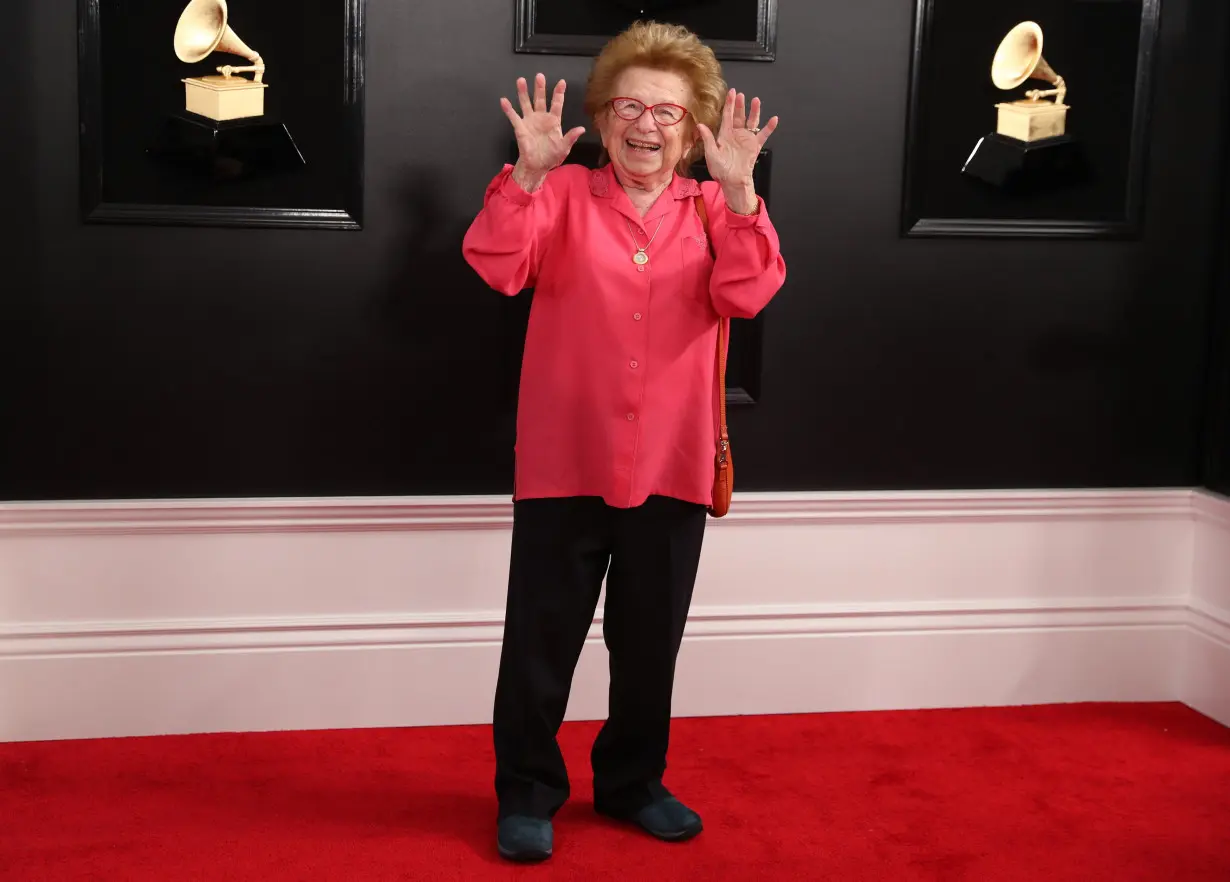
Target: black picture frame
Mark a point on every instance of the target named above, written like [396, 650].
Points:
[319, 95]
[745, 353]
[951, 107]
[736, 30]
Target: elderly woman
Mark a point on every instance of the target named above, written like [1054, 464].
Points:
[617, 420]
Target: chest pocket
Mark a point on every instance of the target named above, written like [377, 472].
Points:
[697, 268]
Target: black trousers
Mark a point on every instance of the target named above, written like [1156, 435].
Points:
[561, 550]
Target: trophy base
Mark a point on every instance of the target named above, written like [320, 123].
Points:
[228, 150]
[224, 98]
[1031, 120]
[1019, 166]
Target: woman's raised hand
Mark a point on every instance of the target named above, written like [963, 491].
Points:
[540, 141]
[731, 156]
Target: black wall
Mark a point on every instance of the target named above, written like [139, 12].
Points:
[1216, 460]
[165, 362]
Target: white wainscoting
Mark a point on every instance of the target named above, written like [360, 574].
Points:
[135, 618]
[1206, 665]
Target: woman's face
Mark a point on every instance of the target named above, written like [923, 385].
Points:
[647, 149]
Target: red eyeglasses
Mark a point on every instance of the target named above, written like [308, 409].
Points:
[664, 114]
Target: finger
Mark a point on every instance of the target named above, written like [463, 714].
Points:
[767, 130]
[571, 137]
[523, 96]
[540, 93]
[728, 117]
[507, 107]
[753, 118]
[706, 137]
[740, 112]
[557, 100]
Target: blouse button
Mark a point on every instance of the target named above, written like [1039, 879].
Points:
[636, 316]
[640, 269]
[632, 364]
[631, 417]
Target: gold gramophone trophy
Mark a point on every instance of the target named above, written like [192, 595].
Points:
[1030, 147]
[203, 30]
[1019, 58]
[223, 132]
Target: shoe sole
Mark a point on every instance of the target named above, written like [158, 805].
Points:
[523, 857]
[682, 836]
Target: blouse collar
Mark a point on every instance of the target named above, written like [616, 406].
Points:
[603, 184]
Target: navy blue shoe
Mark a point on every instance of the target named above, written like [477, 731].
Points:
[521, 838]
[666, 818]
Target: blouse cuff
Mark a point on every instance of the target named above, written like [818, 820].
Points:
[511, 190]
[734, 220]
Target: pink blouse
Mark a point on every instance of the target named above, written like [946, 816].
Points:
[618, 394]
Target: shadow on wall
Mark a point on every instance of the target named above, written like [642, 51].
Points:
[431, 339]
[461, 342]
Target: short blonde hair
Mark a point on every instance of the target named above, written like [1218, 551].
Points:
[664, 47]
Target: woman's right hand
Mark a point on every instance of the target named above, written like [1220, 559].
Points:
[541, 143]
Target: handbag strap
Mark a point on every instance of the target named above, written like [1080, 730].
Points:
[723, 340]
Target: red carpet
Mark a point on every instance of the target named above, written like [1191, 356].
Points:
[1045, 794]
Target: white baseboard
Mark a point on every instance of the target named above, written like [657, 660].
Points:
[134, 618]
[1206, 665]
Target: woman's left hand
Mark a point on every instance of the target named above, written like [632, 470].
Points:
[732, 155]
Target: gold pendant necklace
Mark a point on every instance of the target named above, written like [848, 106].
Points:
[641, 258]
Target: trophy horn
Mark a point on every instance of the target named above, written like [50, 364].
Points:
[202, 30]
[1019, 58]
